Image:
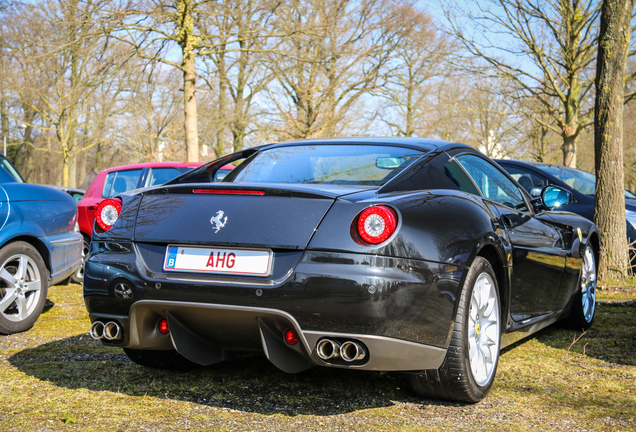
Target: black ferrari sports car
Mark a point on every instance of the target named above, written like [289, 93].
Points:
[380, 254]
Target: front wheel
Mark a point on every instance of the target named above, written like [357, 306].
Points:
[23, 287]
[469, 368]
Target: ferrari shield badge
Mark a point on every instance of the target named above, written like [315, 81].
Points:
[578, 231]
[218, 221]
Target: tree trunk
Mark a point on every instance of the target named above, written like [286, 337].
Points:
[219, 146]
[190, 107]
[609, 211]
[569, 150]
[185, 28]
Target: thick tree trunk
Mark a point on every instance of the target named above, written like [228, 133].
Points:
[609, 212]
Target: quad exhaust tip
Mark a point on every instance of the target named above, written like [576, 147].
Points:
[110, 331]
[349, 351]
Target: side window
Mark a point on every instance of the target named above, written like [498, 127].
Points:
[525, 178]
[493, 184]
[162, 175]
[458, 176]
[120, 181]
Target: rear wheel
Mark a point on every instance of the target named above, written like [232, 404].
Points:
[23, 287]
[584, 304]
[469, 368]
[160, 359]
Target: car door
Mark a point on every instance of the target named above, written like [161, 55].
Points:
[537, 247]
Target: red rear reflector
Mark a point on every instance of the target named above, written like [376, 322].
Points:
[107, 213]
[162, 326]
[376, 224]
[230, 191]
[291, 338]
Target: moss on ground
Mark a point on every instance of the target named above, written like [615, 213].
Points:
[54, 377]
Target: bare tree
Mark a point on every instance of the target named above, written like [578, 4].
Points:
[154, 28]
[609, 210]
[60, 58]
[151, 120]
[417, 60]
[556, 43]
[332, 58]
[239, 37]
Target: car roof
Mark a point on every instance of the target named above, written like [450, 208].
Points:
[537, 164]
[425, 144]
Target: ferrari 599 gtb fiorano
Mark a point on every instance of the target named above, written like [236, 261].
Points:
[379, 254]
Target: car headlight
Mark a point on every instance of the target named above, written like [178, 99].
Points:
[630, 215]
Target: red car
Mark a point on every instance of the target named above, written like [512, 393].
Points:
[113, 181]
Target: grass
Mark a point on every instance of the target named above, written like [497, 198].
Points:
[54, 377]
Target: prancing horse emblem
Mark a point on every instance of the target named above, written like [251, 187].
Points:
[217, 221]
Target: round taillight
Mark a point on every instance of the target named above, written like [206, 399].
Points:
[162, 326]
[291, 338]
[376, 224]
[107, 213]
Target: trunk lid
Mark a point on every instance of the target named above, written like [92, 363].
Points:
[271, 216]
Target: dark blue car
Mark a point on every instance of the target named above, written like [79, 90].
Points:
[39, 246]
[533, 176]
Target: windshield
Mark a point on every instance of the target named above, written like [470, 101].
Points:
[14, 175]
[580, 181]
[367, 165]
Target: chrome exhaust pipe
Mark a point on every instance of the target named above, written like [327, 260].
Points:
[97, 330]
[112, 331]
[352, 351]
[328, 349]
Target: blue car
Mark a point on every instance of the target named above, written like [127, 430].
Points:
[39, 246]
[534, 176]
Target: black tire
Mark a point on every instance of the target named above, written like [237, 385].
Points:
[455, 379]
[24, 281]
[160, 359]
[584, 303]
[78, 276]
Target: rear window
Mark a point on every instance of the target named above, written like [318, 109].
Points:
[326, 164]
[121, 181]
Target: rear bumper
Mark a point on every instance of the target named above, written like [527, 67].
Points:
[208, 333]
[401, 310]
[65, 254]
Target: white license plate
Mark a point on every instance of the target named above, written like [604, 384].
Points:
[251, 262]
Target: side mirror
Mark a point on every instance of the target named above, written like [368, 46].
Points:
[554, 197]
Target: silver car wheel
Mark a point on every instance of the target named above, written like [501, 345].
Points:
[588, 285]
[21, 287]
[483, 329]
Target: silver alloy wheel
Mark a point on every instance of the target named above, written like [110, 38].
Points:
[20, 287]
[483, 329]
[588, 285]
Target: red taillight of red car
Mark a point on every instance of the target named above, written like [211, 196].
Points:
[107, 213]
[376, 224]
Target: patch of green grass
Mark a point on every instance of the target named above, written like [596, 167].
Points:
[55, 377]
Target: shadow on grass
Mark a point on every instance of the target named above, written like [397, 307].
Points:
[611, 337]
[250, 384]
